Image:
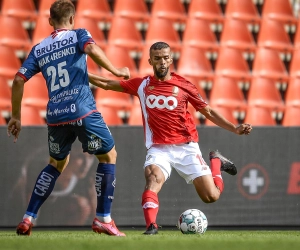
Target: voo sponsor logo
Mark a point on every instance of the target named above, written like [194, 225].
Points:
[161, 102]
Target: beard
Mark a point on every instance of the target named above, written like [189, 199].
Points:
[161, 74]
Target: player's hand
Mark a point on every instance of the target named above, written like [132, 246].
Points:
[243, 129]
[124, 72]
[14, 128]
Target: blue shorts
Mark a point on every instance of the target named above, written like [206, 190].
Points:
[91, 131]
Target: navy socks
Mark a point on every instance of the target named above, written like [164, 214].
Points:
[42, 189]
[105, 186]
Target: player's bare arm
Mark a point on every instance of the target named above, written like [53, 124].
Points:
[105, 83]
[98, 55]
[222, 122]
[14, 125]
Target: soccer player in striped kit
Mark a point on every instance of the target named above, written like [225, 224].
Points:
[71, 113]
[171, 137]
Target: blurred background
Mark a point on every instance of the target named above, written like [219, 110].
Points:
[242, 55]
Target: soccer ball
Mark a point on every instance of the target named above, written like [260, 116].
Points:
[192, 221]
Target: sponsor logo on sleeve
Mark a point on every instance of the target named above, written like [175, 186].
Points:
[22, 70]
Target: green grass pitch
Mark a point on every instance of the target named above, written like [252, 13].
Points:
[165, 240]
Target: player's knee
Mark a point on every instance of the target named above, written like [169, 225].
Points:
[112, 154]
[154, 175]
[60, 165]
[153, 183]
[210, 197]
[109, 157]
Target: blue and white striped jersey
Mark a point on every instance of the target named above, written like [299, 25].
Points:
[61, 59]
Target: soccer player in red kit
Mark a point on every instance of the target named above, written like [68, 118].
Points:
[171, 137]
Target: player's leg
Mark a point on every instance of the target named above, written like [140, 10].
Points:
[157, 170]
[96, 139]
[206, 188]
[105, 185]
[210, 187]
[59, 148]
[190, 165]
[154, 180]
[226, 165]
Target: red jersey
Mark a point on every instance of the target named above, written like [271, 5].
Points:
[164, 108]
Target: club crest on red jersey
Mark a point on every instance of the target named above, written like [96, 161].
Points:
[175, 91]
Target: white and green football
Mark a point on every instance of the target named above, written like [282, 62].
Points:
[192, 221]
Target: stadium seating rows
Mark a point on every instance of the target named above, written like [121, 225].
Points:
[243, 57]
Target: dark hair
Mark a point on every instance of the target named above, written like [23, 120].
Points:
[61, 10]
[158, 46]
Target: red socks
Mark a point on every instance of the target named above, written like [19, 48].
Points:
[216, 173]
[150, 206]
[150, 202]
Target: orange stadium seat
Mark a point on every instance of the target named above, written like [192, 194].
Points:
[236, 35]
[112, 115]
[225, 92]
[295, 62]
[22, 9]
[292, 95]
[129, 37]
[14, 35]
[268, 64]
[9, 63]
[297, 36]
[259, 116]
[30, 116]
[204, 38]
[170, 9]
[144, 67]
[36, 93]
[92, 66]
[5, 95]
[120, 57]
[282, 11]
[42, 29]
[273, 36]
[244, 10]
[2, 120]
[98, 10]
[208, 10]
[165, 32]
[90, 25]
[113, 99]
[291, 116]
[133, 9]
[135, 117]
[231, 64]
[44, 7]
[193, 63]
[263, 93]
[224, 111]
